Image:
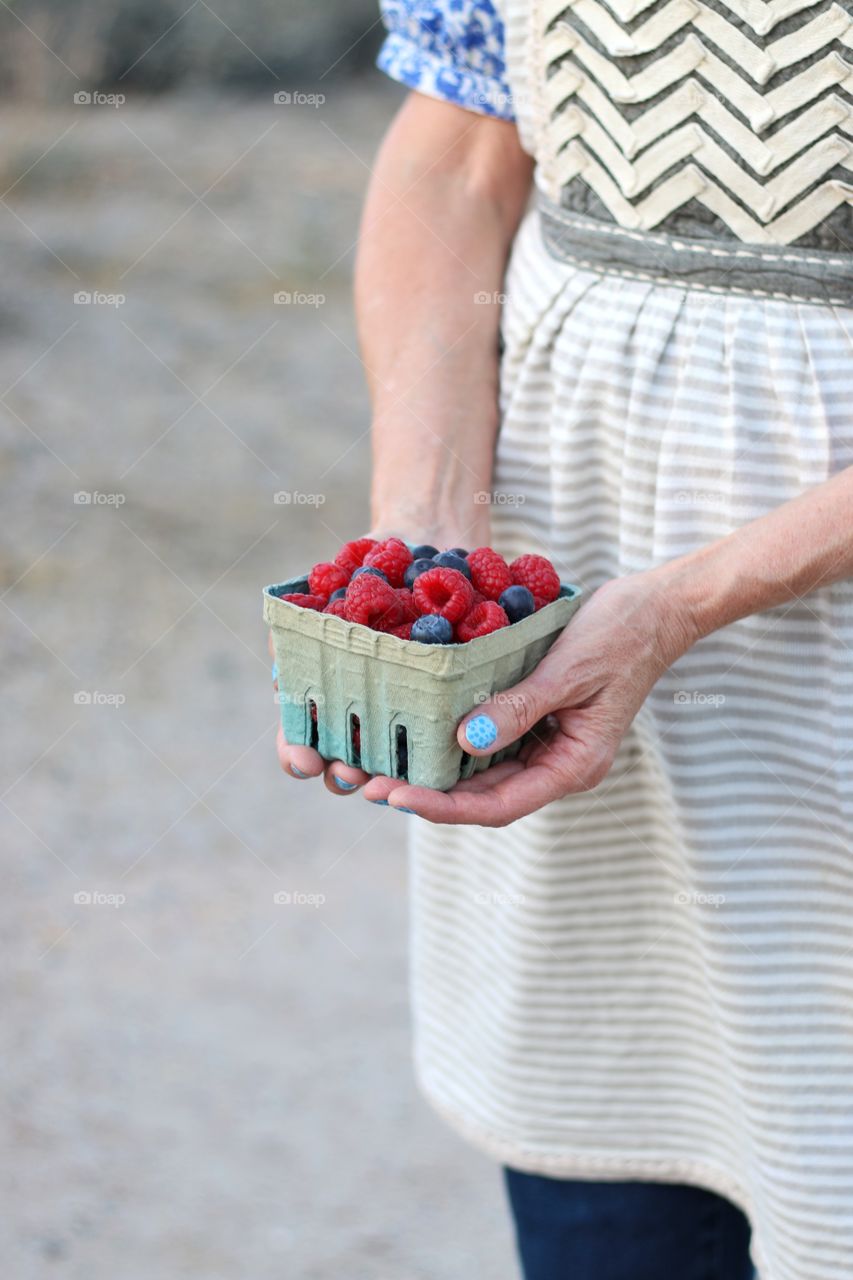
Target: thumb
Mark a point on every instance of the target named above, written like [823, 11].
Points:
[506, 716]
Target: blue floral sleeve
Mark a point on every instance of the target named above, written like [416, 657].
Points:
[449, 49]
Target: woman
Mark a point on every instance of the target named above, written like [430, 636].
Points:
[633, 955]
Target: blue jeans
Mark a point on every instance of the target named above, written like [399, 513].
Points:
[568, 1230]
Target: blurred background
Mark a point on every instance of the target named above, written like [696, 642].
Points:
[200, 1081]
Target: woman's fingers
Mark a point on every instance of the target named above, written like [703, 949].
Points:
[344, 779]
[298, 762]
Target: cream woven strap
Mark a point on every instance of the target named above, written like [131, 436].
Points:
[737, 113]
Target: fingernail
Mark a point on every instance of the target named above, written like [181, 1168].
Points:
[297, 773]
[344, 786]
[275, 671]
[481, 732]
[379, 802]
[401, 808]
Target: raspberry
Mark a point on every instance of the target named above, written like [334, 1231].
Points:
[373, 603]
[482, 620]
[403, 632]
[478, 599]
[393, 557]
[540, 602]
[352, 554]
[432, 629]
[443, 591]
[305, 601]
[326, 578]
[489, 572]
[337, 607]
[538, 575]
[407, 600]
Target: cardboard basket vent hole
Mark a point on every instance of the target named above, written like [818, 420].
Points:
[314, 730]
[401, 752]
[355, 741]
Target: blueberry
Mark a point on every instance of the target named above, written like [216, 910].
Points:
[517, 603]
[458, 551]
[449, 560]
[339, 594]
[424, 552]
[300, 588]
[377, 573]
[431, 628]
[415, 569]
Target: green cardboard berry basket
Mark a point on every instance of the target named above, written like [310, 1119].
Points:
[391, 706]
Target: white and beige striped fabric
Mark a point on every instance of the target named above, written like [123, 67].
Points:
[655, 980]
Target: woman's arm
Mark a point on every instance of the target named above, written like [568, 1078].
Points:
[447, 194]
[597, 675]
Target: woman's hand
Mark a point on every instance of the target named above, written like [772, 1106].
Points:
[579, 701]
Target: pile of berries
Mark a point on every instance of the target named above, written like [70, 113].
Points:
[435, 597]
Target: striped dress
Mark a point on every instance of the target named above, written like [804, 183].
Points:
[655, 980]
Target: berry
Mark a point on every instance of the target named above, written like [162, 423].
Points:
[338, 607]
[447, 560]
[540, 602]
[338, 595]
[373, 603]
[407, 600]
[416, 568]
[403, 632]
[352, 554]
[458, 551]
[376, 573]
[393, 557]
[305, 601]
[482, 620]
[326, 578]
[424, 552]
[517, 603]
[489, 572]
[432, 628]
[538, 575]
[443, 591]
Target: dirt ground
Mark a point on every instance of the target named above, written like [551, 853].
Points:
[201, 1082]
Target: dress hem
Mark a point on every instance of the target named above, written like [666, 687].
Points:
[594, 1168]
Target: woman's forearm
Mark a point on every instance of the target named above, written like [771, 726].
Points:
[804, 544]
[446, 197]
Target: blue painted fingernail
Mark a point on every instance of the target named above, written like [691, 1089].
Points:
[401, 808]
[345, 786]
[481, 732]
[275, 671]
[297, 772]
[379, 802]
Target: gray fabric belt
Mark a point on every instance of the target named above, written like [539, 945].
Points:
[770, 271]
